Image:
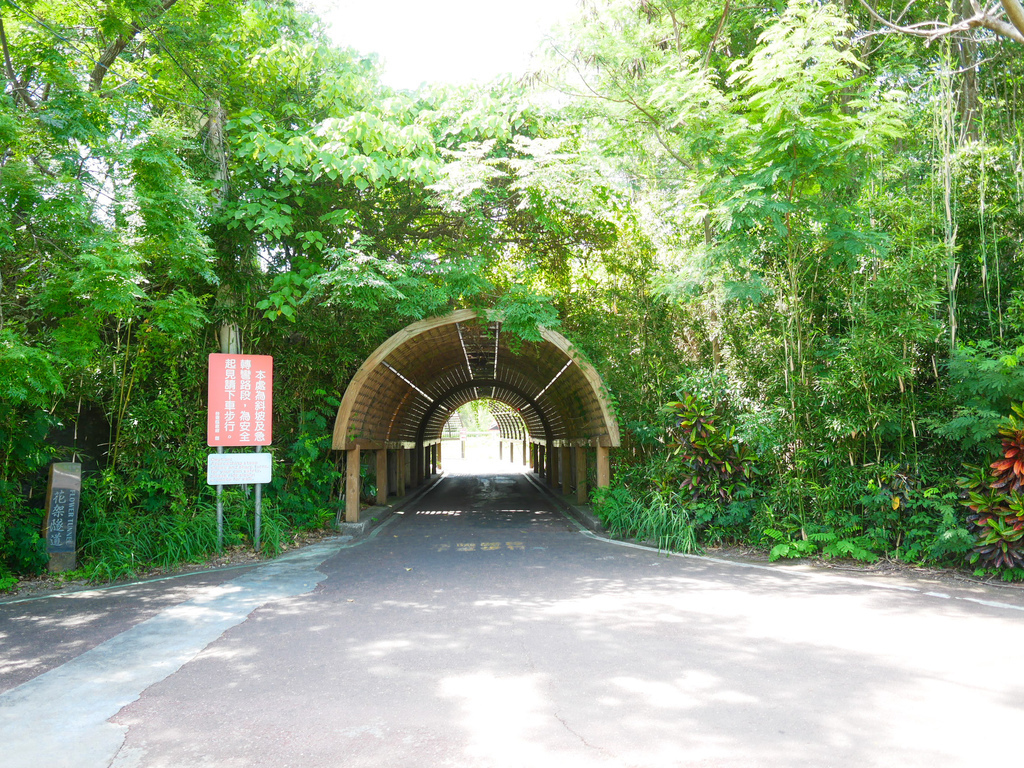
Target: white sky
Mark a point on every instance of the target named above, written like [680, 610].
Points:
[456, 41]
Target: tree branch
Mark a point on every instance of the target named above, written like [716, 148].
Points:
[986, 19]
[718, 33]
[19, 89]
[1015, 13]
[116, 48]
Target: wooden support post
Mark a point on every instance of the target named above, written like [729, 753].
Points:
[382, 476]
[402, 471]
[604, 470]
[501, 448]
[553, 466]
[416, 466]
[581, 475]
[511, 452]
[435, 451]
[392, 472]
[566, 461]
[352, 485]
[524, 453]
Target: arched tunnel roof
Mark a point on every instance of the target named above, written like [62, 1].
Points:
[405, 391]
[510, 422]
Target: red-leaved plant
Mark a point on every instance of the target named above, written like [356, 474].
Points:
[996, 500]
[713, 463]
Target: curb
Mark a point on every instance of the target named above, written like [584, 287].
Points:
[375, 516]
[581, 515]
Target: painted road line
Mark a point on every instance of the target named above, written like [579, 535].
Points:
[485, 546]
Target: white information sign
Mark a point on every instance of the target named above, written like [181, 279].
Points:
[238, 468]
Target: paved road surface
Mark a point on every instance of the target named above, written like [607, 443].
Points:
[482, 628]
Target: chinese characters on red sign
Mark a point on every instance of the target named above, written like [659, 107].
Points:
[240, 400]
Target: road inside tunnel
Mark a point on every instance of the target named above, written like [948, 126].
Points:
[466, 501]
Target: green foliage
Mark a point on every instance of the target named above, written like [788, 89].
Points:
[660, 518]
[870, 515]
[523, 313]
[305, 484]
[653, 500]
[120, 539]
[986, 378]
[28, 373]
[23, 548]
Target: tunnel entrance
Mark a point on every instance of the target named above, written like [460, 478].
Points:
[404, 394]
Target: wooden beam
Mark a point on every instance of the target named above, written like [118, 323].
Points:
[593, 379]
[604, 470]
[352, 485]
[581, 475]
[348, 401]
[382, 475]
[403, 470]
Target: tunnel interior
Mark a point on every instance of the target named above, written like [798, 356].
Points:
[402, 396]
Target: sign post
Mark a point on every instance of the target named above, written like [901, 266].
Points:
[63, 494]
[240, 400]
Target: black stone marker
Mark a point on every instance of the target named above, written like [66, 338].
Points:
[63, 493]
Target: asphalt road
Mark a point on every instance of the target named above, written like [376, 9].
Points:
[483, 628]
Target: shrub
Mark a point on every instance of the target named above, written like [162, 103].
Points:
[995, 497]
[711, 461]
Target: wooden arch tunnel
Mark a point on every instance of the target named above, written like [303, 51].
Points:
[403, 394]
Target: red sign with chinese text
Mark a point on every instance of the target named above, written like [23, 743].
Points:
[240, 399]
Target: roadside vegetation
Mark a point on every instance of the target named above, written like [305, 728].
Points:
[789, 242]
